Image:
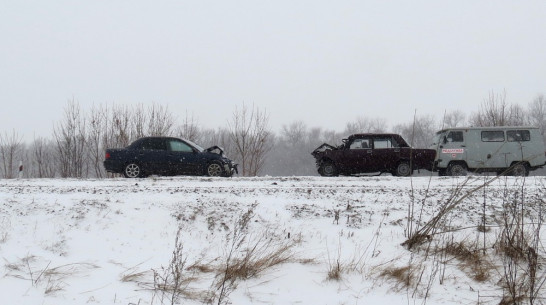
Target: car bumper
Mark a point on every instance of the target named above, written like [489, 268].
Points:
[230, 169]
[113, 166]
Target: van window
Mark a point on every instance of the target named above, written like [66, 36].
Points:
[455, 136]
[493, 136]
[518, 135]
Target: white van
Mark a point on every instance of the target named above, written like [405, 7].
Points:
[501, 149]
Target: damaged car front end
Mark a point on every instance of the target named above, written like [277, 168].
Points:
[372, 153]
[230, 167]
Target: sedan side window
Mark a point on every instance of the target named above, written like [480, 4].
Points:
[179, 146]
[360, 144]
[383, 143]
[153, 144]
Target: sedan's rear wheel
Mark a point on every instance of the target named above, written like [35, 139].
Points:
[214, 170]
[403, 169]
[132, 170]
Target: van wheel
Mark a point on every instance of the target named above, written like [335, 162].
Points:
[403, 169]
[519, 169]
[457, 169]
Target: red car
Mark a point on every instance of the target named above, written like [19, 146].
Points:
[372, 153]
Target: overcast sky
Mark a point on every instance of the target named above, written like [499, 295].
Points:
[322, 62]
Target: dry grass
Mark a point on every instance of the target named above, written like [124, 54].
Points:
[53, 279]
[260, 256]
[334, 270]
[471, 259]
[402, 275]
[512, 244]
[201, 267]
[508, 300]
[135, 277]
[4, 237]
[338, 266]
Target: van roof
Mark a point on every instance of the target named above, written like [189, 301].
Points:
[487, 128]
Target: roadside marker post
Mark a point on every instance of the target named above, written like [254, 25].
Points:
[20, 170]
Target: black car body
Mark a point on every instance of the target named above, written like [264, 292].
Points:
[167, 156]
[372, 153]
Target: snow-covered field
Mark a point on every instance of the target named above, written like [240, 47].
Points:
[114, 241]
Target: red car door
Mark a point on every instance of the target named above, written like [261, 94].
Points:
[386, 154]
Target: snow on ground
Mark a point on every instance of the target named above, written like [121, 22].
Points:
[111, 241]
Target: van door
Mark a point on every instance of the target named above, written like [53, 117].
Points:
[493, 152]
[519, 143]
[453, 147]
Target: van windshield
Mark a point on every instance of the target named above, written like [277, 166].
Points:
[438, 138]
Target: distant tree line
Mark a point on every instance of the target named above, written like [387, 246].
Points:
[76, 147]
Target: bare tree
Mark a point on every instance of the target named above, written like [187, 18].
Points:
[96, 138]
[10, 150]
[495, 111]
[294, 133]
[119, 131]
[454, 118]
[189, 129]
[366, 125]
[138, 121]
[419, 133]
[42, 158]
[537, 114]
[516, 116]
[160, 121]
[70, 138]
[249, 131]
[290, 154]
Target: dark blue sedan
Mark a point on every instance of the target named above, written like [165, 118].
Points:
[168, 156]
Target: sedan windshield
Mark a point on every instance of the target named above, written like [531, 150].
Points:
[199, 148]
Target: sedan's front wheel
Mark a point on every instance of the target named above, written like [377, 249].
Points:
[328, 169]
[132, 170]
[214, 170]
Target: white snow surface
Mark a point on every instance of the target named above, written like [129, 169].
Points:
[70, 241]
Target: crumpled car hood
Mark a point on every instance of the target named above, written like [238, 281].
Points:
[215, 149]
[324, 147]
